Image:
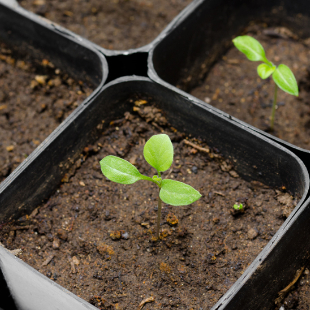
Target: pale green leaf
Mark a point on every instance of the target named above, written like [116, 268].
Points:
[158, 152]
[121, 171]
[177, 193]
[252, 49]
[285, 79]
[264, 71]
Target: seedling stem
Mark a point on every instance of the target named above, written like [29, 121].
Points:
[274, 105]
[158, 217]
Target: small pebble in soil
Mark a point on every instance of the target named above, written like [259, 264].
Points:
[75, 260]
[211, 258]
[75, 208]
[125, 235]
[97, 275]
[50, 237]
[237, 267]
[62, 234]
[172, 219]
[252, 233]
[194, 169]
[182, 232]
[105, 249]
[215, 220]
[107, 216]
[56, 243]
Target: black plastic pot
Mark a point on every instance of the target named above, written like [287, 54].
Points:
[40, 174]
[33, 35]
[189, 47]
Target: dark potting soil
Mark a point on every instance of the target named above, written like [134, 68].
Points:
[233, 86]
[34, 99]
[113, 24]
[94, 237]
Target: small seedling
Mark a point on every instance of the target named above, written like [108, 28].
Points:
[238, 206]
[158, 152]
[282, 74]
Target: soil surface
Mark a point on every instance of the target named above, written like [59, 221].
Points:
[95, 237]
[113, 24]
[34, 99]
[233, 85]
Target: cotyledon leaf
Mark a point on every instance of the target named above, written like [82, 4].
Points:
[158, 152]
[177, 193]
[285, 79]
[121, 171]
[252, 49]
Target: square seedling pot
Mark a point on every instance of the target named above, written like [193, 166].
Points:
[170, 55]
[204, 32]
[189, 48]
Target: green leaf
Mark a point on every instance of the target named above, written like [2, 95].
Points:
[177, 193]
[285, 79]
[264, 71]
[158, 152]
[121, 171]
[252, 49]
[238, 206]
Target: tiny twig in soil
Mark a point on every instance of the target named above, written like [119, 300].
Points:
[71, 224]
[157, 126]
[169, 172]
[72, 265]
[103, 185]
[219, 193]
[144, 301]
[284, 292]
[48, 260]
[199, 148]
[21, 227]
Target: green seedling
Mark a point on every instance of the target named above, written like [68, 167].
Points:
[158, 152]
[238, 206]
[282, 74]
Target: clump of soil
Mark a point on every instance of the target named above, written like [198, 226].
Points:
[233, 86]
[94, 237]
[35, 97]
[113, 24]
